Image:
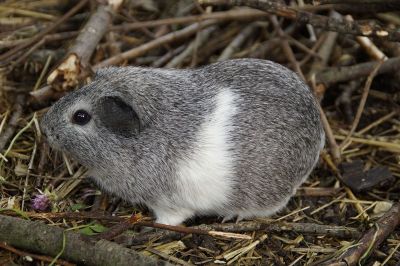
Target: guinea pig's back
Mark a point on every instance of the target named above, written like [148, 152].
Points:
[276, 130]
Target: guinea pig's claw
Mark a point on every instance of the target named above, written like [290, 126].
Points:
[227, 218]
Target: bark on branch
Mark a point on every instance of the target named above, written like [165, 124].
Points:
[318, 21]
[339, 74]
[371, 240]
[75, 64]
[41, 238]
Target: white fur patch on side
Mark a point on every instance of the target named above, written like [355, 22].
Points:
[205, 177]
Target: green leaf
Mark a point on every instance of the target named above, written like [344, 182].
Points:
[87, 231]
[78, 206]
[98, 228]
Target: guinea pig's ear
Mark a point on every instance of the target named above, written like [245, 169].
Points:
[117, 116]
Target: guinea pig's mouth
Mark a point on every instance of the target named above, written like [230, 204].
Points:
[51, 139]
[56, 146]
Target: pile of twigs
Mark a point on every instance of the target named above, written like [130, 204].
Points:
[348, 51]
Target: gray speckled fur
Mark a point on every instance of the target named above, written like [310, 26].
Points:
[276, 132]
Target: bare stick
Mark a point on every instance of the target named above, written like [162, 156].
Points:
[243, 13]
[237, 42]
[369, 46]
[76, 62]
[51, 240]
[344, 100]
[170, 37]
[324, 2]
[35, 256]
[361, 106]
[287, 49]
[124, 224]
[334, 147]
[67, 215]
[339, 74]
[13, 122]
[47, 38]
[168, 56]
[248, 226]
[203, 36]
[324, 52]
[39, 36]
[193, 230]
[168, 257]
[317, 191]
[319, 21]
[360, 6]
[371, 240]
[133, 221]
[46, 93]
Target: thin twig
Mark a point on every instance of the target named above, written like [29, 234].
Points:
[237, 42]
[35, 256]
[339, 74]
[303, 17]
[13, 122]
[250, 226]
[203, 36]
[170, 37]
[243, 13]
[74, 66]
[362, 104]
[76, 8]
[287, 49]
[371, 240]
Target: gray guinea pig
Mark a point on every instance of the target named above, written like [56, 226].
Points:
[234, 138]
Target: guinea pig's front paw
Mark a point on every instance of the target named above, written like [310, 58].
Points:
[172, 217]
[227, 218]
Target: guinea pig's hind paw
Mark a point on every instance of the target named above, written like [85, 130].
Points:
[238, 219]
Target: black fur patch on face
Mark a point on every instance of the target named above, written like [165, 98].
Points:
[118, 117]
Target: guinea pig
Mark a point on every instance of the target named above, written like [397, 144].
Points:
[234, 138]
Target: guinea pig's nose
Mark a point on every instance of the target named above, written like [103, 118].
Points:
[42, 127]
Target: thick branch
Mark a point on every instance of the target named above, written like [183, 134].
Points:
[250, 226]
[170, 37]
[9, 54]
[240, 14]
[330, 24]
[339, 74]
[75, 63]
[371, 240]
[41, 238]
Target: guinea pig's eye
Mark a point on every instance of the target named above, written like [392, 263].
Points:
[81, 117]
